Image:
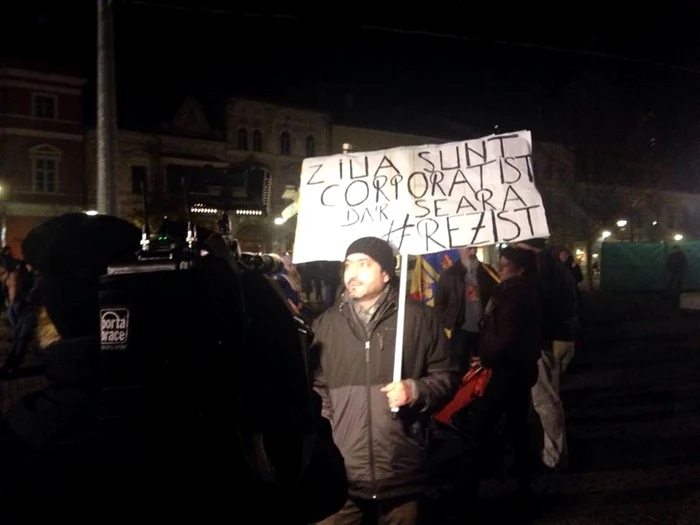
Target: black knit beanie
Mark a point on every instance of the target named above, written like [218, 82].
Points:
[71, 253]
[379, 250]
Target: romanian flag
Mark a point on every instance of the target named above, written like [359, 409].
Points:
[427, 272]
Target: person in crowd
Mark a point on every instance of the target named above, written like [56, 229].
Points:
[63, 457]
[559, 332]
[463, 291]
[676, 264]
[568, 260]
[332, 275]
[509, 346]
[353, 356]
[289, 280]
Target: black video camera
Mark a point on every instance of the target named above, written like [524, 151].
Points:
[191, 329]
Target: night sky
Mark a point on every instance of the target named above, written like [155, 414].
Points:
[624, 84]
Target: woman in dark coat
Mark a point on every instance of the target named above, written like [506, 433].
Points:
[509, 345]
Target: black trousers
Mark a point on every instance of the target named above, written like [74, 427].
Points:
[458, 457]
[463, 346]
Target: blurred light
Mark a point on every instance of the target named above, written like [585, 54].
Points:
[678, 237]
[579, 251]
[290, 193]
[290, 211]
[347, 147]
[606, 234]
[249, 212]
[199, 209]
[621, 223]
[280, 220]
[655, 223]
[595, 255]
[91, 212]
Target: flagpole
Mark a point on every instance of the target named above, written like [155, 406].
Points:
[106, 111]
[400, 322]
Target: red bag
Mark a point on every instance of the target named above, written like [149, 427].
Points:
[473, 386]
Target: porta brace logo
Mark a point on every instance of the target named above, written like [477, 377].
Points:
[114, 327]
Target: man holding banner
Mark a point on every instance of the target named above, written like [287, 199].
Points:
[422, 199]
[385, 456]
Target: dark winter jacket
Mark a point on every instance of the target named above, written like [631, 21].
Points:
[575, 270]
[384, 457]
[511, 331]
[449, 298]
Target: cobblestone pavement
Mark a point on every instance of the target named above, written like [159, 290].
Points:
[632, 399]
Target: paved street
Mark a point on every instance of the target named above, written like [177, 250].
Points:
[633, 404]
[632, 399]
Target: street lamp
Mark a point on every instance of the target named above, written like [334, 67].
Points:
[678, 237]
[606, 234]
[621, 223]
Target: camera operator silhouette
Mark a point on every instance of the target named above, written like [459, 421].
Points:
[62, 455]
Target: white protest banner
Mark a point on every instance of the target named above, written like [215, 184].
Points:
[421, 199]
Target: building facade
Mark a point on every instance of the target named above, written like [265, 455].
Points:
[271, 136]
[42, 172]
[364, 139]
[152, 162]
[48, 167]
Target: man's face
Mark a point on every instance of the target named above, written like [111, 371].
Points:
[364, 278]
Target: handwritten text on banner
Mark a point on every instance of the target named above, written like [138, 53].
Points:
[421, 199]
